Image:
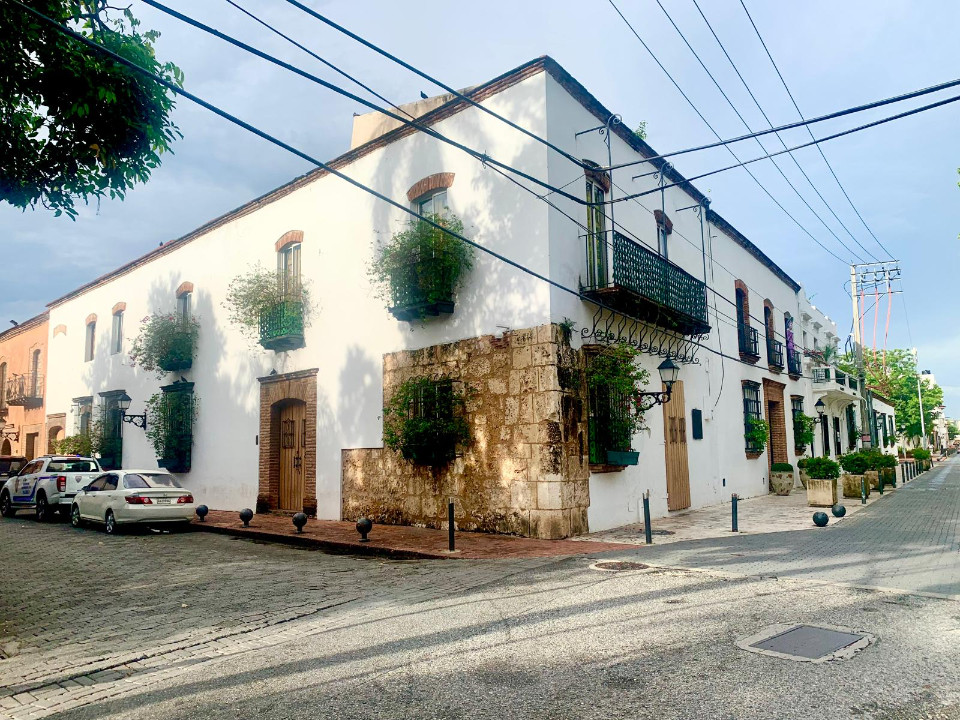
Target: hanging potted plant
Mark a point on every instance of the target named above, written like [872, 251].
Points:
[166, 343]
[266, 311]
[614, 382]
[424, 421]
[418, 271]
[172, 414]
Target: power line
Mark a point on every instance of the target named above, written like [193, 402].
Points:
[757, 140]
[328, 168]
[797, 108]
[770, 123]
[717, 135]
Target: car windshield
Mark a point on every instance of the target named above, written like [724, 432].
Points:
[71, 465]
[160, 480]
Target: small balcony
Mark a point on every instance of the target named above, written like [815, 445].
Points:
[832, 384]
[644, 285]
[25, 390]
[748, 340]
[281, 326]
[794, 363]
[423, 287]
[775, 354]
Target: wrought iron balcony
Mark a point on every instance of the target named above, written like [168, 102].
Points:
[853, 383]
[281, 326]
[749, 341]
[25, 390]
[644, 285]
[794, 363]
[821, 375]
[774, 353]
[423, 286]
[841, 378]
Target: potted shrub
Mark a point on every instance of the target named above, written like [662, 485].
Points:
[854, 465]
[424, 421]
[614, 381]
[802, 468]
[922, 457]
[872, 473]
[172, 414]
[822, 484]
[781, 478]
[756, 435]
[166, 343]
[887, 466]
[419, 270]
[266, 311]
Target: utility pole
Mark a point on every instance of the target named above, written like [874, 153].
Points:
[865, 276]
[923, 425]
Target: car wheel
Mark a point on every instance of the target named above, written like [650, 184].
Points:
[6, 507]
[111, 524]
[75, 518]
[43, 508]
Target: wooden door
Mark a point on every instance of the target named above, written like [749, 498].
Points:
[292, 446]
[675, 450]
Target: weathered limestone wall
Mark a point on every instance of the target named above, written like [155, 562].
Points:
[526, 471]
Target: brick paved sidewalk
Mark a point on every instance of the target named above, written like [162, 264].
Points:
[399, 541]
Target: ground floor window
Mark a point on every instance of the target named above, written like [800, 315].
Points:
[853, 432]
[751, 412]
[110, 430]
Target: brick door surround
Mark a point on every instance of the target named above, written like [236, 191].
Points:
[776, 418]
[275, 392]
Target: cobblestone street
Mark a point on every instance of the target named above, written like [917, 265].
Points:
[196, 625]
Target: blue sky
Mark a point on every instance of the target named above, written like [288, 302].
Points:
[902, 176]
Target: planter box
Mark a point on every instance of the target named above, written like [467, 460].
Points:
[781, 482]
[622, 457]
[175, 364]
[821, 493]
[175, 464]
[873, 478]
[851, 485]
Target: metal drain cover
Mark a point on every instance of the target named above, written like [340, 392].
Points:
[807, 643]
[614, 565]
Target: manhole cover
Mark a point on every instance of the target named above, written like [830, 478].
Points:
[807, 643]
[614, 565]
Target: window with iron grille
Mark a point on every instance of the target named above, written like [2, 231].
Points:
[796, 408]
[172, 416]
[609, 424]
[752, 410]
[111, 430]
[853, 433]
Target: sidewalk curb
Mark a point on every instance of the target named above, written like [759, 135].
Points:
[332, 547]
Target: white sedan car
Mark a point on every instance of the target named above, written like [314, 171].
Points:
[120, 497]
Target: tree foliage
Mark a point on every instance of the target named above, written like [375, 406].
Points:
[75, 124]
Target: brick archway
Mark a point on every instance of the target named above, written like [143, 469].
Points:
[277, 392]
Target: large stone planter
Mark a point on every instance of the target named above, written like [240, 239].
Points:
[781, 482]
[873, 479]
[821, 493]
[851, 485]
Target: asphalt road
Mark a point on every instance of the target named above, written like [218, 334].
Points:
[202, 626]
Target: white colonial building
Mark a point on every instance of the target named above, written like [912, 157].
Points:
[294, 418]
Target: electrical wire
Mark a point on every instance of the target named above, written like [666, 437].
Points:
[778, 136]
[797, 108]
[757, 140]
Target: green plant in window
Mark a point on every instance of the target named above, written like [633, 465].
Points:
[171, 416]
[424, 421]
[757, 433]
[259, 291]
[614, 381]
[418, 271]
[802, 431]
[166, 343]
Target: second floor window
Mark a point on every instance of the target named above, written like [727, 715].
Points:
[288, 269]
[116, 333]
[91, 336]
[183, 306]
[434, 204]
[3, 385]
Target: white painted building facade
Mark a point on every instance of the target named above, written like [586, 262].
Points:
[336, 227]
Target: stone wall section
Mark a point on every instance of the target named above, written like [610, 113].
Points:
[526, 470]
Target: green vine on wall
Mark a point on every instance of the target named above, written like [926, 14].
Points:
[424, 421]
[170, 427]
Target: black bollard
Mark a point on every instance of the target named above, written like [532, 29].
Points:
[648, 534]
[863, 490]
[450, 539]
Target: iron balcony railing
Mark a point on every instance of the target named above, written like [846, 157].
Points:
[774, 353]
[748, 340]
[853, 383]
[821, 375]
[26, 389]
[423, 285]
[841, 378]
[794, 363]
[281, 325]
[644, 284]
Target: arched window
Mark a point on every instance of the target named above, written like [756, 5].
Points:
[288, 269]
[36, 381]
[90, 338]
[746, 334]
[116, 332]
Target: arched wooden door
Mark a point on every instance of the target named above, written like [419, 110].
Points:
[293, 443]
